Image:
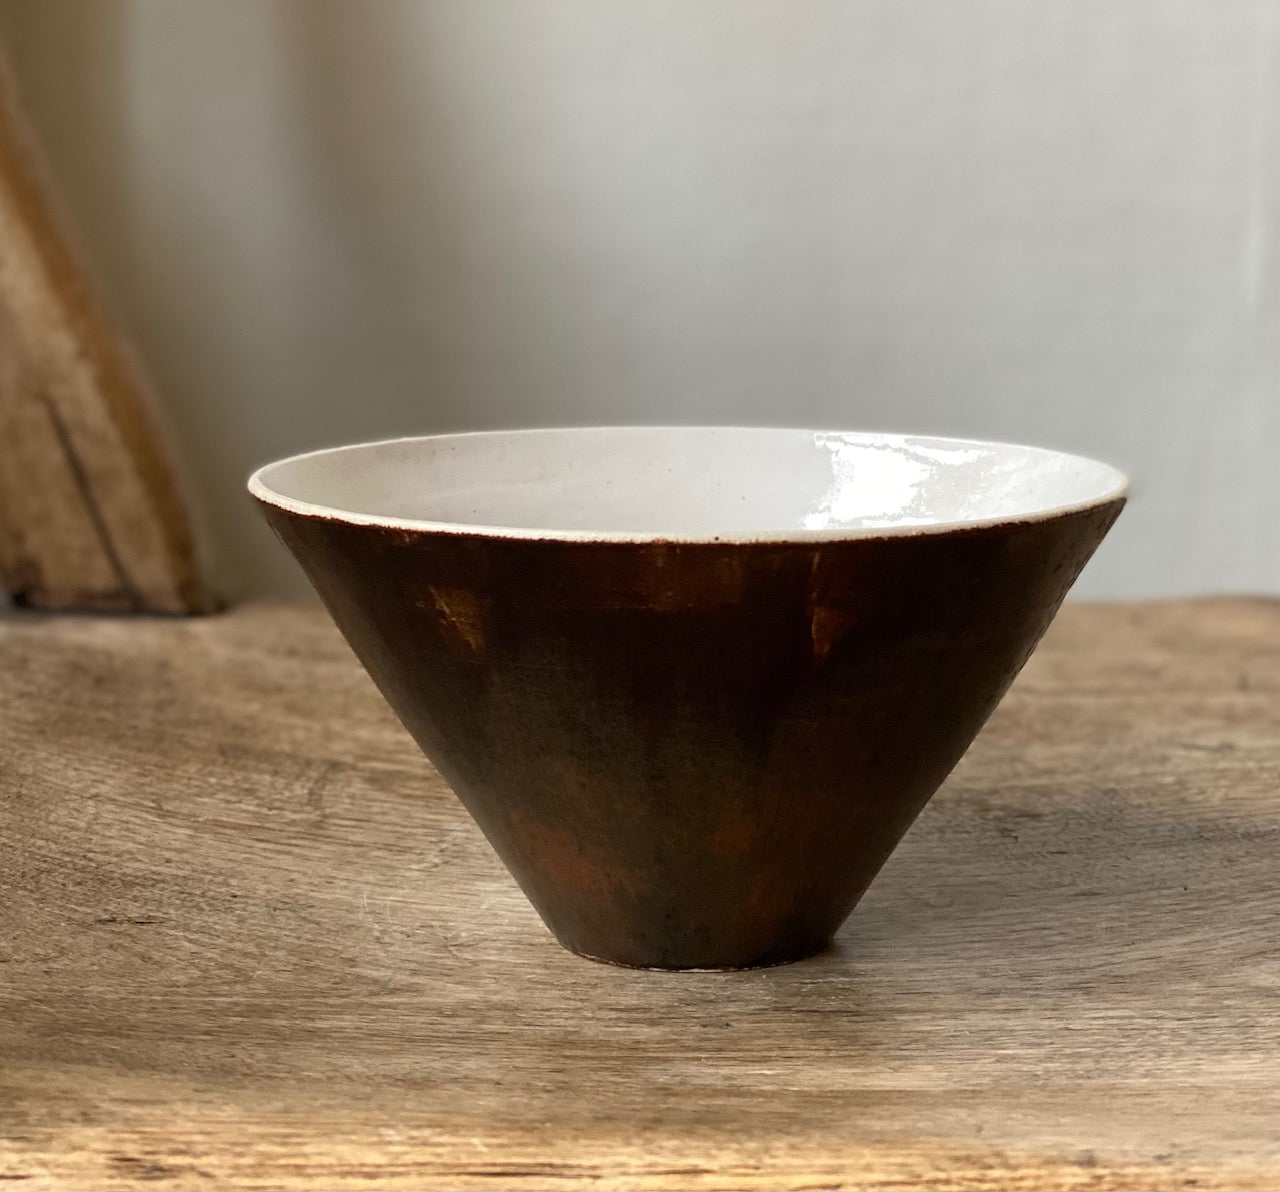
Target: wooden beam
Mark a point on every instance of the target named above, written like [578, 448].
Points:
[92, 515]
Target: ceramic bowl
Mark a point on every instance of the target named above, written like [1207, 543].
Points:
[694, 684]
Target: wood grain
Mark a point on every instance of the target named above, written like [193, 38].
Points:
[91, 512]
[250, 940]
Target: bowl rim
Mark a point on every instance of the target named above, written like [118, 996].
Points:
[260, 490]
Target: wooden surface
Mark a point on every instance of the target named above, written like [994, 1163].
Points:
[249, 940]
[91, 512]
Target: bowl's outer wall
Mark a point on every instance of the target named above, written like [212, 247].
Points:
[694, 755]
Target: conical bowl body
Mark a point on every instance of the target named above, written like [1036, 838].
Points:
[693, 684]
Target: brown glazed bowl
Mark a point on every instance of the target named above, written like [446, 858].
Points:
[694, 684]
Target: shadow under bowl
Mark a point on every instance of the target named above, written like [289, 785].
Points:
[694, 684]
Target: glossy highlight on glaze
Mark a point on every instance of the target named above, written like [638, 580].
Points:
[698, 753]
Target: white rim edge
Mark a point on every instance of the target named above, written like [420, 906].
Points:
[268, 496]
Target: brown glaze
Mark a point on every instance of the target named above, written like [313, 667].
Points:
[694, 755]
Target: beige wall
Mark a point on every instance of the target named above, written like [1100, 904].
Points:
[1057, 222]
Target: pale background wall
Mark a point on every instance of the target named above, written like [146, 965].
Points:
[1057, 222]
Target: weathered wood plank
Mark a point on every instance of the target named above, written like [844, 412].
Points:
[91, 512]
[249, 940]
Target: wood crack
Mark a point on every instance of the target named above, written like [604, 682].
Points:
[90, 501]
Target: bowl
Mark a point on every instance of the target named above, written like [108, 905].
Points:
[693, 683]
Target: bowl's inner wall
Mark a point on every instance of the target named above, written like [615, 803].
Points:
[686, 481]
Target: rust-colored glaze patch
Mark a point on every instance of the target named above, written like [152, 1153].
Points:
[733, 836]
[827, 625]
[694, 755]
[559, 850]
[463, 613]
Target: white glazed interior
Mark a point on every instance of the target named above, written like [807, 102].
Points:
[685, 483]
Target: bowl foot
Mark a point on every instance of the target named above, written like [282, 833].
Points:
[772, 959]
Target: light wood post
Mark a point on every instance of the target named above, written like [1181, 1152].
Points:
[92, 515]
